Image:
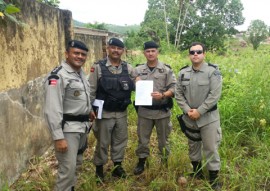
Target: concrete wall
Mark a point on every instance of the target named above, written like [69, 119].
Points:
[27, 54]
[95, 41]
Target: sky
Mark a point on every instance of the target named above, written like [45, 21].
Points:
[130, 12]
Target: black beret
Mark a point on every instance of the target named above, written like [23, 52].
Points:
[116, 42]
[150, 44]
[77, 44]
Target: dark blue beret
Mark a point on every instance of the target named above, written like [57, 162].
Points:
[77, 44]
[116, 42]
[150, 44]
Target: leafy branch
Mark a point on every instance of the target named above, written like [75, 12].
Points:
[6, 11]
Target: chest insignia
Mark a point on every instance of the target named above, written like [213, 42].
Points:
[77, 93]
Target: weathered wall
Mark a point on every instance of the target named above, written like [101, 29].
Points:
[27, 54]
[95, 41]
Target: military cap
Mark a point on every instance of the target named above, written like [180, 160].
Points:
[77, 44]
[116, 42]
[150, 44]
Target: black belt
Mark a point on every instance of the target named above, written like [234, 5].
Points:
[80, 118]
[155, 107]
[213, 108]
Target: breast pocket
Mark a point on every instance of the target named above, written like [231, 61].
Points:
[203, 86]
[143, 77]
[75, 90]
[160, 81]
[185, 85]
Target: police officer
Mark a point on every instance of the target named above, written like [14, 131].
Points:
[111, 80]
[198, 90]
[67, 109]
[159, 113]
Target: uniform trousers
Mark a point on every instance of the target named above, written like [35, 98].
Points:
[70, 161]
[211, 137]
[144, 131]
[110, 132]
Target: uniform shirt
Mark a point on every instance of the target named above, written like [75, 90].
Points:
[199, 90]
[70, 94]
[94, 79]
[164, 80]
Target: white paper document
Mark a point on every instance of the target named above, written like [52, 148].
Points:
[144, 88]
[98, 107]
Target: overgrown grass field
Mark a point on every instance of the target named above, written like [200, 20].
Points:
[244, 151]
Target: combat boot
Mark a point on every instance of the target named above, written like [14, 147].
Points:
[118, 170]
[213, 180]
[140, 166]
[99, 173]
[197, 170]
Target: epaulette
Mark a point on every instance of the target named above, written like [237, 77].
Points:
[54, 73]
[138, 65]
[213, 65]
[101, 61]
[168, 66]
[184, 67]
[56, 69]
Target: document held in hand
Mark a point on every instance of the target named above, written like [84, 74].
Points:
[98, 107]
[144, 88]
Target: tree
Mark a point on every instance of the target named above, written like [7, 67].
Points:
[257, 32]
[54, 3]
[96, 25]
[208, 21]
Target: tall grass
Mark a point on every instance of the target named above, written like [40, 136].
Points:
[245, 156]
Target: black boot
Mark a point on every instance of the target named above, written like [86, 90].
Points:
[118, 170]
[99, 173]
[140, 166]
[197, 170]
[72, 188]
[213, 180]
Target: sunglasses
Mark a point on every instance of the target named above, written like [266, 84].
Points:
[192, 52]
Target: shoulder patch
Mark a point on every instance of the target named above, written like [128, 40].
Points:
[52, 79]
[53, 76]
[184, 67]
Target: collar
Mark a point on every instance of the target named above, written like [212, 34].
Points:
[68, 68]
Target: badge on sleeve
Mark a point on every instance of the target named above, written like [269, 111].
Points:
[92, 69]
[52, 82]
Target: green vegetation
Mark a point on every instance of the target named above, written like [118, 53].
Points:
[257, 33]
[7, 10]
[184, 21]
[109, 27]
[244, 109]
[53, 3]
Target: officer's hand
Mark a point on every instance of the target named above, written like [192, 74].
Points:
[194, 114]
[61, 145]
[156, 95]
[92, 116]
[137, 79]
